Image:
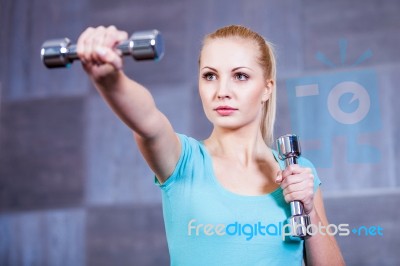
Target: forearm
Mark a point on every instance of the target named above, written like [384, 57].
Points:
[132, 103]
[321, 248]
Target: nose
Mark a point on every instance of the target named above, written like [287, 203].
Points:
[224, 90]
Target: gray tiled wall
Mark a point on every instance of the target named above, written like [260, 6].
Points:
[41, 156]
[55, 237]
[74, 189]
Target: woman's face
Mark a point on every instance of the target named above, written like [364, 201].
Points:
[232, 85]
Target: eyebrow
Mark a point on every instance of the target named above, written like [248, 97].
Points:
[236, 68]
[213, 69]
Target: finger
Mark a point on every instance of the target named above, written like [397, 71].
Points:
[295, 169]
[295, 179]
[97, 41]
[308, 204]
[109, 56]
[88, 46]
[114, 36]
[305, 196]
[80, 45]
[297, 187]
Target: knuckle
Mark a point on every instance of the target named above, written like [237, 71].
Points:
[303, 195]
[290, 179]
[86, 41]
[124, 35]
[89, 29]
[285, 171]
[310, 194]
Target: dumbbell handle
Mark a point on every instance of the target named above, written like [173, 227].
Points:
[72, 54]
[143, 45]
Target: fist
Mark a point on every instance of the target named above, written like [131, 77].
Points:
[297, 183]
[96, 50]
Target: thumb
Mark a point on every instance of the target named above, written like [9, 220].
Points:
[278, 178]
[109, 56]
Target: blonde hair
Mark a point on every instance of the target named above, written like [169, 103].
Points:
[268, 64]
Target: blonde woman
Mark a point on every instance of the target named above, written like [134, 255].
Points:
[225, 198]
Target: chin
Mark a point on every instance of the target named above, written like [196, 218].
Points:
[226, 123]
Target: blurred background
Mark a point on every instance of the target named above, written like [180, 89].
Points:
[75, 191]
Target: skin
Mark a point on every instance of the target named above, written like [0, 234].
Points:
[229, 75]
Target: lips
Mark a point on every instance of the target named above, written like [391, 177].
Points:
[225, 110]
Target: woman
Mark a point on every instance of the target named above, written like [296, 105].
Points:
[225, 199]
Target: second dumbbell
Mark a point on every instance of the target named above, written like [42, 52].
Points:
[143, 45]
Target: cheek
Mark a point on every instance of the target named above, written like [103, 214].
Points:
[254, 98]
[253, 103]
[205, 92]
[205, 99]
[202, 95]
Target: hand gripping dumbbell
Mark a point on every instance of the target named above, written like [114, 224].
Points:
[142, 45]
[288, 147]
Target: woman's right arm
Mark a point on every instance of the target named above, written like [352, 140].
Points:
[132, 103]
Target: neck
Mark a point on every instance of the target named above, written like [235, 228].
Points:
[240, 145]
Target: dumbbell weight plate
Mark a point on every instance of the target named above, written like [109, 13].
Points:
[54, 53]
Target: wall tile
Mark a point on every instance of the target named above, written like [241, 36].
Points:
[26, 27]
[53, 238]
[365, 25]
[41, 157]
[367, 209]
[146, 15]
[117, 172]
[126, 235]
[280, 22]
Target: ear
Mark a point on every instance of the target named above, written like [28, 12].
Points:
[268, 90]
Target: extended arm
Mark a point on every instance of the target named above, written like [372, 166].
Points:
[131, 102]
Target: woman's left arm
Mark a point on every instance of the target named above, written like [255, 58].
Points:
[298, 184]
[321, 249]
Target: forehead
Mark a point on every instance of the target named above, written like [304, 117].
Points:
[229, 51]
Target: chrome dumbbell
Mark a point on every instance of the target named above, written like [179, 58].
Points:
[288, 147]
[142, 45]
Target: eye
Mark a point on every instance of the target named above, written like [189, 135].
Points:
[209, 76]
[241, 76]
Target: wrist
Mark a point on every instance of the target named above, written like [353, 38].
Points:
[111, 81]
[314, 217]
